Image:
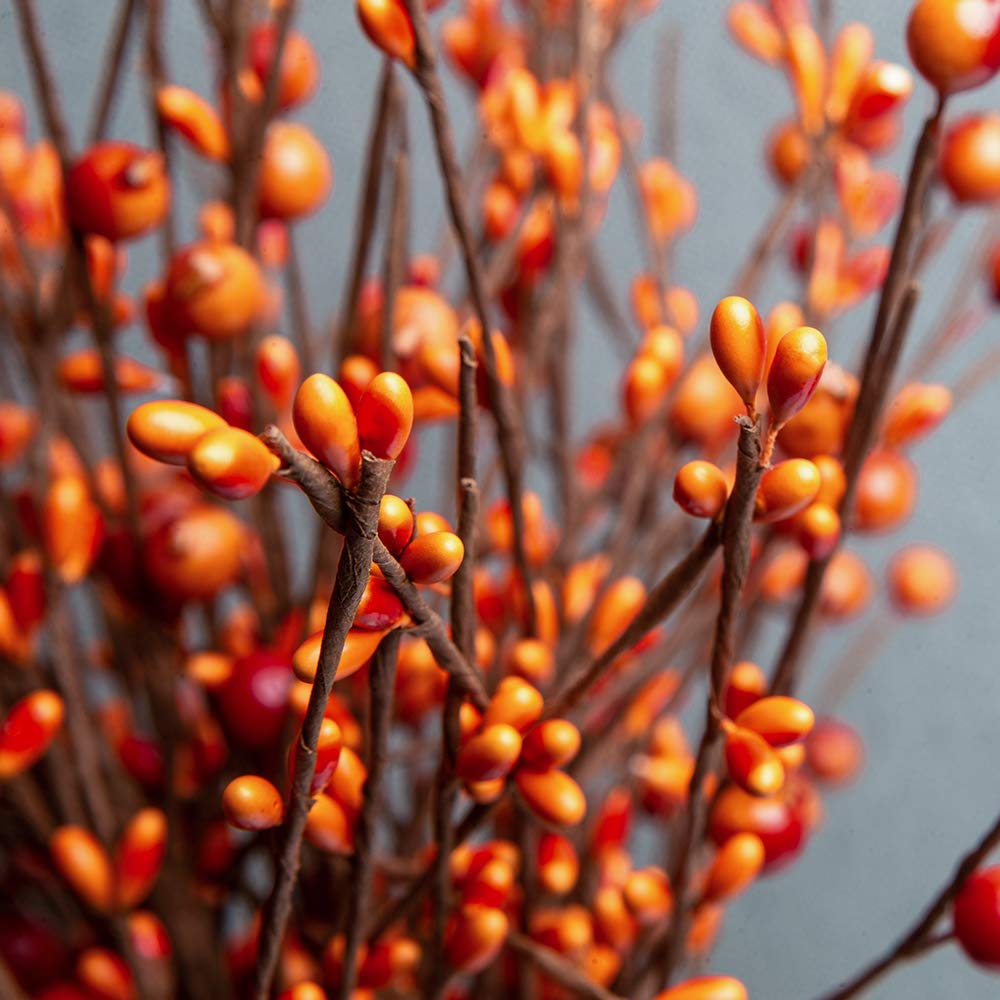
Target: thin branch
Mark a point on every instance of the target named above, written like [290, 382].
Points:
[327, 498]
[361, 512]
[920, 936]
[381, 678]
[510, 437]
[879, 364]
[737, 530]
[368, 209]
[463, 626]
[113, 63]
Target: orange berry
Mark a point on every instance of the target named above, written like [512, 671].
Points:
[754, 27]
[778, 719]
[433, 558]
[789, 152]
[887, 489]
[751, 762]
[105, 975]
[325, 422]
[197, 554]
[28, 731]
[922, 580]
[704, 405]
[168, 429]
[817, 529]
[531, 660]
[645, 388]
[970, 158]
[739, 345]
[117, 191]
[617, 607]
[195, 119]
[299, 71]
[395, 524]
[82, 371]
[85, 865]
[553, 796]
[490, 754]
[385, 415]
[670, 200]
[355, 375]
[252, 803]
[915, 412]
[141, 849]
[231, 463]
[558, 864]
[213, 289]
[328, 749]
[17, 427]
[474, 936]
[647, 895]
[304, 991]
[553, 743]
[847, 586]
[706, 988]
[359, 647]
[328, 826]
[380, 608]
[735, 866]
[72, 527]
[278, 369]
[786, 489]
[515, 703]
[295, 172]
[955, 43]
[387, 24]
[701, 489]
[795, 372]
[834, 751]
[772, 819]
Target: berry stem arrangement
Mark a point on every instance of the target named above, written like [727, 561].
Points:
[270, 726]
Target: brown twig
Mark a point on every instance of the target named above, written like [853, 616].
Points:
[368, 209]
[361, 511]
[108, 91]
[921, 935]
[860, 437]
[509, 433]
[327, 498]
[737, 530]
[398, 231]
[381, 678]
[879, 364]
[463, 625]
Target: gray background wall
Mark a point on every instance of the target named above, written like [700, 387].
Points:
[929, 709]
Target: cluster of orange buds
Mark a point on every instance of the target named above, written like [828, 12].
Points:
[762, 738]
[112, 884]
[226, 461]
[509, 739]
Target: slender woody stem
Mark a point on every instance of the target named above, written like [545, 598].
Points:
[920, 937]
[737, 530]
[875, 377]
[381, 678]
[360, 534]
[509, 433]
